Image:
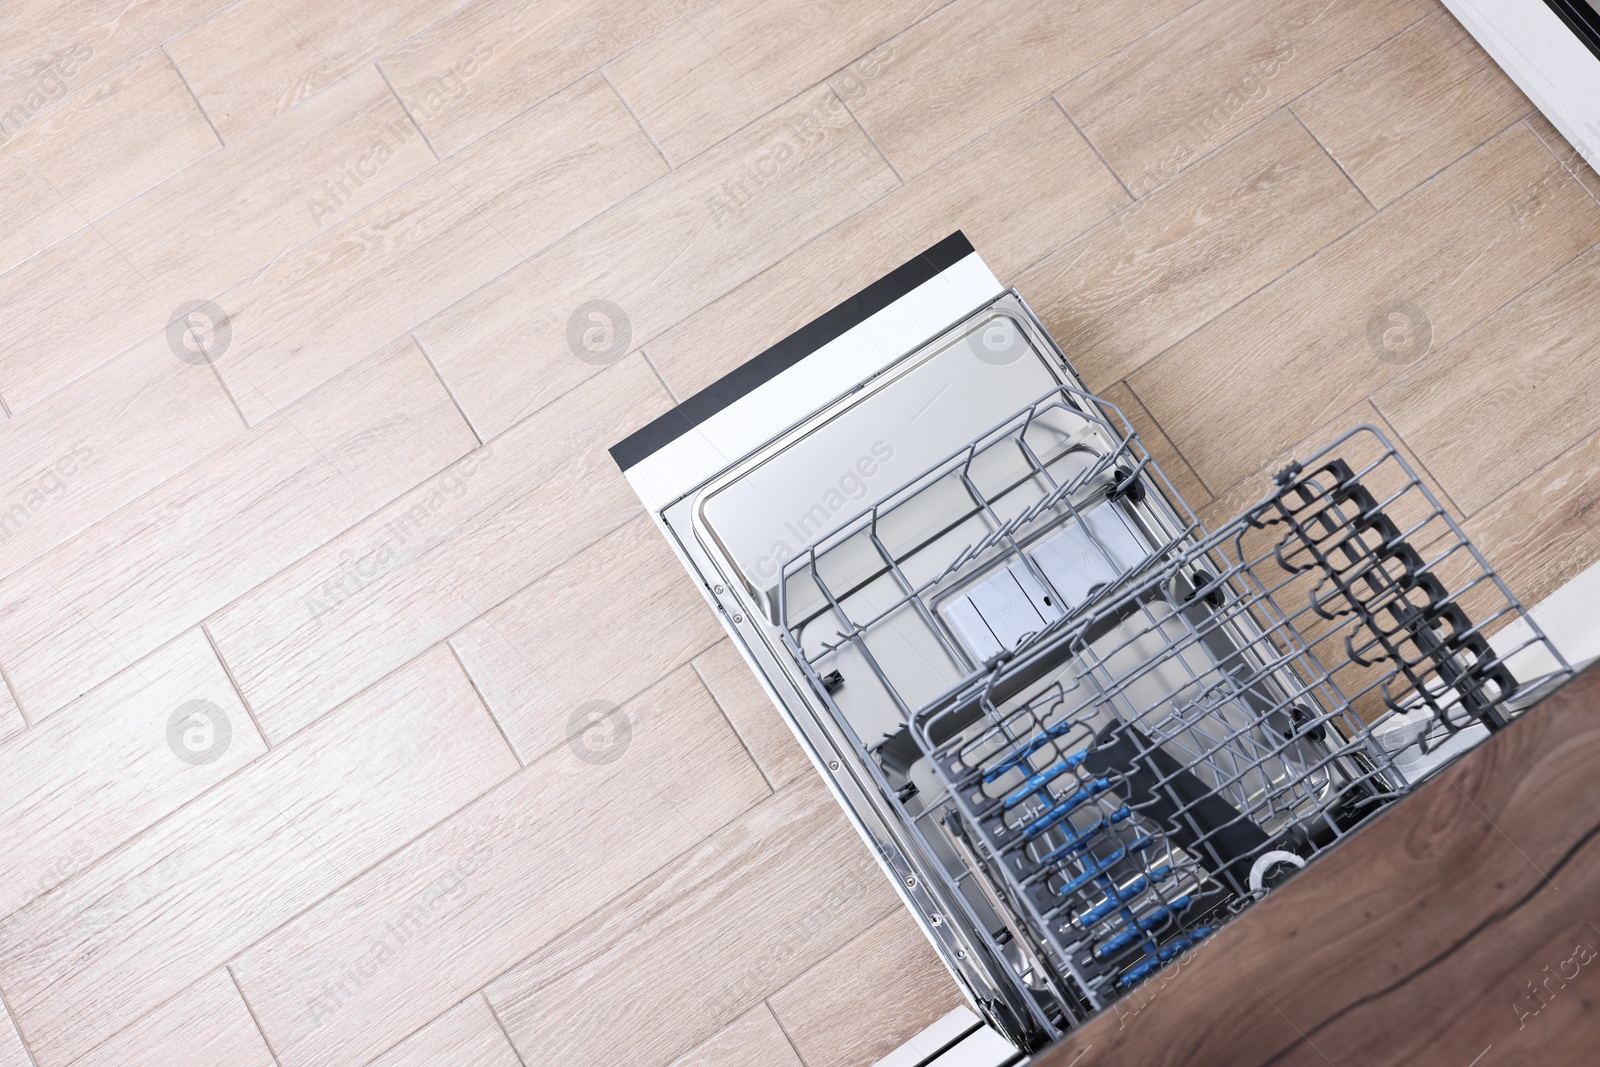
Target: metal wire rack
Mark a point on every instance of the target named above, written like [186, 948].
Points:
[1132, 726]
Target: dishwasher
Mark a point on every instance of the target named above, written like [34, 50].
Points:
[1079, 729]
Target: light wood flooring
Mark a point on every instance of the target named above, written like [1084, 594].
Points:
[381, 538]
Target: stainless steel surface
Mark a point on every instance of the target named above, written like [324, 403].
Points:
[762, 512]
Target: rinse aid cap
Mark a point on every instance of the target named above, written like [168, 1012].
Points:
[1265, 862]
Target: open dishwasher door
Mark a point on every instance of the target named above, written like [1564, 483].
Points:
[1077, 730]
[742, 476]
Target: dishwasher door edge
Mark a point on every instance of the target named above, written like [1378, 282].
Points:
[671, 458]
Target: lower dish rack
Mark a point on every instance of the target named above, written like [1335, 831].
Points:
[1154, 723]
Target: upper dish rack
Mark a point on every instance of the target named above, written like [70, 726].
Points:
[1133, 726]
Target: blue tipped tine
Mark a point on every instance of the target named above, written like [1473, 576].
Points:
[1114, 896]
[1060, 729]
[1066, 807]
[1168, 952]
[1116, 944]
[1044, 778]
[1139, 972]
[1083, 838]
[1131, 932]
[1113, 900]
[1172, 949]
[1094, 868]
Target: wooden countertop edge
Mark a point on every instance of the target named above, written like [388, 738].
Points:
[1458, 928]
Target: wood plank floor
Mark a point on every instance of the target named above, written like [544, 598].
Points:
[291, 644]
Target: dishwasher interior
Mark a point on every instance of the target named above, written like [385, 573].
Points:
[1080, 729]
